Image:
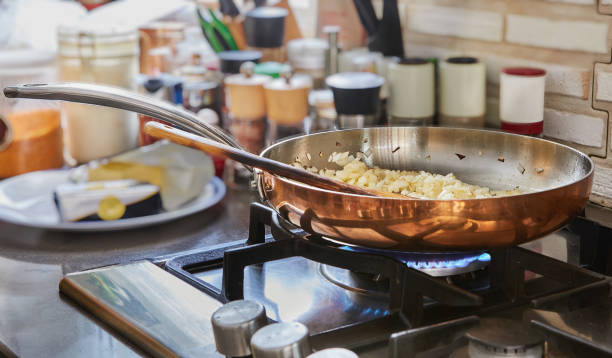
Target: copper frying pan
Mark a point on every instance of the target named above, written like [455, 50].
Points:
[557, 179]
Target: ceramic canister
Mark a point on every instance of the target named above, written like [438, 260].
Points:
[521, 100]
[287, 99]
[245, 95]
[462, 92]
[411, 92]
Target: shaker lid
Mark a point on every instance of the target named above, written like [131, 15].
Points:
[297, 81]
[242, 80]
[231, 60]
[354, 80]
[271, 68]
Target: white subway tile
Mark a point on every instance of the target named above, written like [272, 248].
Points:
[565, 35]
[572, 127]
[565, 80]
[602, 180]
[451, 21]
[604, 85]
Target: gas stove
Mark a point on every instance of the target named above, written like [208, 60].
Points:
[377, 303]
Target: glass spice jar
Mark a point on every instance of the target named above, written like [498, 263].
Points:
[103, 55]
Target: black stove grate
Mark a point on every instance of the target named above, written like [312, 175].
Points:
[407, 286]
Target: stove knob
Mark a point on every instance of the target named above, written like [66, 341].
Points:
[234, 324]
[281, 340]
[334, 353]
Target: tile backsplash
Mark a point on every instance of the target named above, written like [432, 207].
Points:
[570, 39]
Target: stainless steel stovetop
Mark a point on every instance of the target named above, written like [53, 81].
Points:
[359, 310]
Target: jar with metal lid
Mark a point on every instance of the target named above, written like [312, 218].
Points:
[158, 41]
[30, 130]
[286, 105]
[103, 55]
[307, 56]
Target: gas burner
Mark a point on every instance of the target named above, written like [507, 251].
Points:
[499, 337]
[436, 264]
[373, 285]
[376, 285]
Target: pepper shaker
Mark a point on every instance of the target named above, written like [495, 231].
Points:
[287, 105]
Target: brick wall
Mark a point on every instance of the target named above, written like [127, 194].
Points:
[570, 39]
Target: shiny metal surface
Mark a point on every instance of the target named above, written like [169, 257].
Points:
[119, 98]
[281, 340]
[234, 324]
[345, 121]
[498, 335]
[294, 289]
[557, 179]
[164, 316]
[334, 353]
[591, 325]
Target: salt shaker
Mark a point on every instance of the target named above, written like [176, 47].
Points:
[287, 105]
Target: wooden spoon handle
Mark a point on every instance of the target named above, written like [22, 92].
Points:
[160, 130]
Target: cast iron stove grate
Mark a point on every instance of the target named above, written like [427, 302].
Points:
[414, 298]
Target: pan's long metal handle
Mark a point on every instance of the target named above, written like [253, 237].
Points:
[119, 98]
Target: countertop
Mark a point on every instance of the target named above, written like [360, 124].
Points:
[36, 321]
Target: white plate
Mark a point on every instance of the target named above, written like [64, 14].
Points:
[28, 200]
